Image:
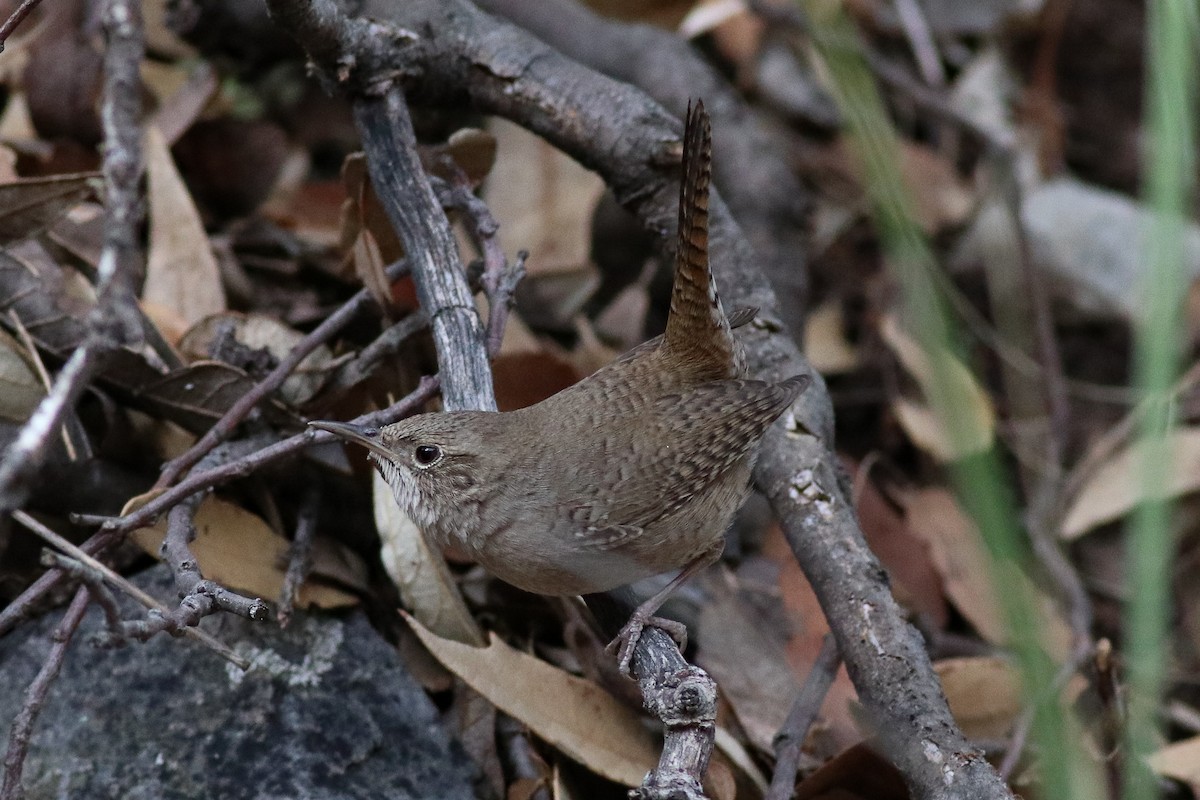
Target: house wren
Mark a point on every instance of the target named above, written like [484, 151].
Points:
[633, 471]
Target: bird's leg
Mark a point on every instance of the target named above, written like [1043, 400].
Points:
[627, 639]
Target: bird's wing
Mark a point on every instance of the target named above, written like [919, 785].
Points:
[681, 446]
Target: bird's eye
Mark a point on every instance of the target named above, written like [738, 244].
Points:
[426, 454]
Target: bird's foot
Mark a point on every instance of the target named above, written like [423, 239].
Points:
[623, 646]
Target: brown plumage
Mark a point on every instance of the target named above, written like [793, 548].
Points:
[634, 471]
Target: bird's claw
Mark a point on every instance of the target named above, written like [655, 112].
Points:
[626, 641]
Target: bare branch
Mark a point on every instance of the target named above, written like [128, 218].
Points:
[82, 557]
[790, 740]
[115, 321]
[404, 191]
[15, 19]
[35, 697]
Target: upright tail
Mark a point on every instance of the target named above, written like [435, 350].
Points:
[697, 328]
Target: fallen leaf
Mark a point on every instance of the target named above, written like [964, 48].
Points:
[542, 199]
[20, 388]
[974, 416]
[362, 211]
[1116, 487]
[748, 663]
[960, 557]
[419, 572]
[857, 773]
[197, 395]
[916, 585]
[181, 270]
[239, 550]
[825, 343]
[30, 205]
[472, 150]
[984, 693]
[1181, 761]
[259, 331]
[576, 716]
[16, 125]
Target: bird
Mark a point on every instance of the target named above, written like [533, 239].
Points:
[634, 471]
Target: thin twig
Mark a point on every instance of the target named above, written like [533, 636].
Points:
[300, 557]
[229, 421]
[121, 583]
[15, 19]
[115, 320]
[93, 579]
[201, 597]
[35, 697]
[500, 280]
[789, 742]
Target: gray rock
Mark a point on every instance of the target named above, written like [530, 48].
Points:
[326, 711]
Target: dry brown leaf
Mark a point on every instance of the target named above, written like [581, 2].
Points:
[181, 270]
[1181, 761]
[258, 331]
[419, 572]
[542, 199]
[16, 125]
[370, 267]
[825, 343]
[472, 150]
[239, 550]
[20, 387]
[30, 205]
[916, 585]
[576, 716]
[984, 694]
[977, 419]
[940, 199]
[960, 557]
[1117, 486]
[748, 662]
[857, 773]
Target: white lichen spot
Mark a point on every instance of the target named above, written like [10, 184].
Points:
[867, 608]
[805, 490]
[323, 644]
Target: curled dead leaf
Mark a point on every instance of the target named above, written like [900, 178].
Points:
[576, 716]
[419, 572]
[181, 270]
[984, 694]
[260, 332]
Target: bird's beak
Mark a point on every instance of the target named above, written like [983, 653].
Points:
[359, 434]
